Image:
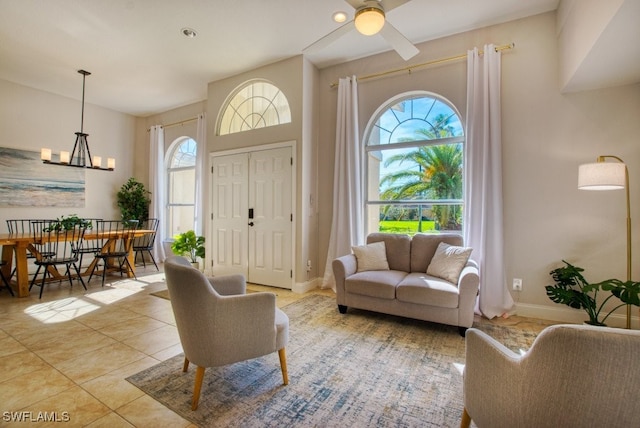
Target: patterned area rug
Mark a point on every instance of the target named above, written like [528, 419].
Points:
[354, 370]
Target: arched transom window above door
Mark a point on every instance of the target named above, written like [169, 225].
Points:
[255, 104]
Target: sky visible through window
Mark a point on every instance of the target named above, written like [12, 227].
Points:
[402, 123]
[185, 154]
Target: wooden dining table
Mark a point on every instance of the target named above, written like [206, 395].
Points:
[21, 244]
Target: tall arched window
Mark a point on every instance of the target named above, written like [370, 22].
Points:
[414, 151]
[255, 104]
[181, 186]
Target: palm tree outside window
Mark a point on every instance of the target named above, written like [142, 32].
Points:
[414, 152]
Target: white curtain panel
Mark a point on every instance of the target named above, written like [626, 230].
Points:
[201, 139]
[157, 187]
[347, 223]
[483, 229]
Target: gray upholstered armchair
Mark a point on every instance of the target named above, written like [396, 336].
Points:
[573, 376]
[219, 324]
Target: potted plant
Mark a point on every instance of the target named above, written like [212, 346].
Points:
[133, 201]
[68, 223]
[573, 290]
[190, 245]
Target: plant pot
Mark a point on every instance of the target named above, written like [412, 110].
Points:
[196, 265]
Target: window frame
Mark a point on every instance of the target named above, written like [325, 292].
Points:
[169, 170]
[235, 110]
[368, 148]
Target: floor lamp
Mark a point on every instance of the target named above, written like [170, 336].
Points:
[604, 175]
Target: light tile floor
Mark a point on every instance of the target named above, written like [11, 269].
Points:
[67, 355]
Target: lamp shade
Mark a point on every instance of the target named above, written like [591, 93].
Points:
[601, 176]
[369, 20]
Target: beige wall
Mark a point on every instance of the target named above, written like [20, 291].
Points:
[580, 24]
[297, 80]
[546, 136]
[31, 119]
[171, 133]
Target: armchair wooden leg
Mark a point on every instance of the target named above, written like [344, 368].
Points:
[197, 387]
[283, 366]
[466, 419]
[185, 367]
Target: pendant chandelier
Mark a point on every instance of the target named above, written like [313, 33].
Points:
[80, 155]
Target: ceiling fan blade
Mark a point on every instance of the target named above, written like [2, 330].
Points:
[400, 43]
[387, 5]
[330, 38]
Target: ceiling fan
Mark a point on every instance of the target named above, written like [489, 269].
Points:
[370, 19]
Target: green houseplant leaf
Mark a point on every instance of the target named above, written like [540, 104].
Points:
[573, 290]
[133, 200]
[628, 291]
[188, 244]
[68, 223]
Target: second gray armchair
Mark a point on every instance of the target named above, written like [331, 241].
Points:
[572, 376]
[219, 324]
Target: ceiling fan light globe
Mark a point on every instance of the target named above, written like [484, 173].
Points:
[369, 20]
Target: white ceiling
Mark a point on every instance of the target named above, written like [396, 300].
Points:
[141, 64]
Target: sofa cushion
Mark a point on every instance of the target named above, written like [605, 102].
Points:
[448, 262]
[398, 249]
[424, 245]
[424, 289]
[380, 284]
[371, 257]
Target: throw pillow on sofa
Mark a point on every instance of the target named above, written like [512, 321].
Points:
[371, 257]
[448, 262]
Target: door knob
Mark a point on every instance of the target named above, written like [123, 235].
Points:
[251, 223]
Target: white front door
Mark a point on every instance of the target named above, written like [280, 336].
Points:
[230, 185]
[270, 228]
[252, 220]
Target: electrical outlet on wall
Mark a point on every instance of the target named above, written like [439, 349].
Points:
[517, 284]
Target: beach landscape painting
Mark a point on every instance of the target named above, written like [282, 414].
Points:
[27, 182]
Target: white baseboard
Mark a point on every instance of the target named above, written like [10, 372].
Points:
[303, 287]
[569, 315]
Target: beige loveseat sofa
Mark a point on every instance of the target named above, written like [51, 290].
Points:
[405, 289]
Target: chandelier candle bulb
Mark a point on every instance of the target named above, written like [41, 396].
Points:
[45, 155]
[64, 157]
[97, 162]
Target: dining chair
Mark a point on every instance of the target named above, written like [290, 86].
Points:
[89, 246]
[4, 278]
[115, 238]
[21, 227]
[145, 242]
[56, 247]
